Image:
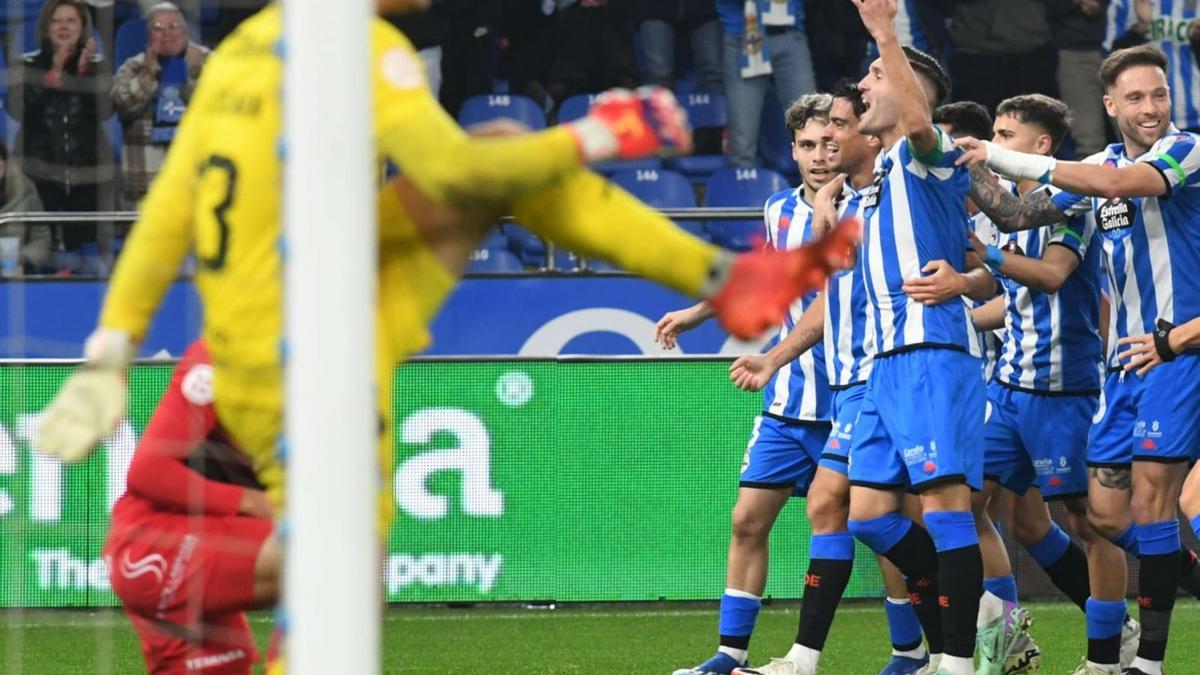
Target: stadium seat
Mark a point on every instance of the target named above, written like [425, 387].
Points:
[116, 136]
[495, 239]
[493, 261]
[733, 187]
[598, 265]
[565, 261]
[577, 106]
[488, 107]
[663, 189]
[705, 111]
[527, 246]
[12, 127]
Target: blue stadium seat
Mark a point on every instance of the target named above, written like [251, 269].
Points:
[130, 41]
[487, 107]
[524, 244]
[496, 239]
[116, 136]
[598, 265]
[663, 189]
[705, 111]
[577, 106]
[493, 261]
[733, 187]
[565, 261]
[12, 127]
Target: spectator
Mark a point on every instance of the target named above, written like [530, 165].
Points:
[151, 92]
[1002, 49]
[1078, 27]
[658, 24]
[1170, 26]
[838, 41]
[60, 95]
[527, 49]
[20, 196]
[593, 49]
[764, 43]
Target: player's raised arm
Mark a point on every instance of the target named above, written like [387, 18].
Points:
[914, 107]
[430, 149]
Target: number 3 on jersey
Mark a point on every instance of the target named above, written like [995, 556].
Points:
[216, 185]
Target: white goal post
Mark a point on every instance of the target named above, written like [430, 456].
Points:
[331, 600]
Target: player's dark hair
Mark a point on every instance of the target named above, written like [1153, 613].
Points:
[805, 109]
[1051, 114]
[1124, 59]
[849, 90]
[928, 68]
[965, 118]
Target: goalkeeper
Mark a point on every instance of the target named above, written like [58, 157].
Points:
[218, 194]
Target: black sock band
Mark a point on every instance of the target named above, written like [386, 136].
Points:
[823, 588]
[917, 559]
[1070, 575]
[735, 641]
[1158, 578]
[960, 580]
[1106, 650]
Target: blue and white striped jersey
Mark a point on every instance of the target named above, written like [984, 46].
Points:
[1151, 244]
[989, 340]
[849, 341]
[1168, 30]
[913, 214]
[775, 13]
[1052, 340]
[800, 391]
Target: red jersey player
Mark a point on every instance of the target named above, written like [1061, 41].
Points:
[192, 543]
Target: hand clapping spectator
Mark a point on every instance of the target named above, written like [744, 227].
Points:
[60, 95]
[151, 92]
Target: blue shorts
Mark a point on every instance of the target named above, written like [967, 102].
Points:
[919, 422]
[1038, 439]
[1166, 403]
[844, 411]
[1109, 439]
[783, 454]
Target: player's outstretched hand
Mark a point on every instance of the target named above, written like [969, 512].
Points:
[761, 285]
[939, 282]
[879, 16]
[623, 124]
[974, 151]
[751, 372]
[91, 401]
[668, 328]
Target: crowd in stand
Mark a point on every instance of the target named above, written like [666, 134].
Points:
[95, 89]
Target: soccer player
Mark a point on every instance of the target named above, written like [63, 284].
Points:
[218, 194]
[786, 441]
[1146, 209]
[924, 400]
[848, 356]
[1048, 374]
[191, 545]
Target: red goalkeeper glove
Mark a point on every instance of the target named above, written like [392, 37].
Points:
[629, 125]
[762, 285]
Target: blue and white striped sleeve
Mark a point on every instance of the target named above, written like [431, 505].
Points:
[1177, 158]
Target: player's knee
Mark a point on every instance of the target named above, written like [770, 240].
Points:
[750, 524]
[827, 512]
[1106, 521]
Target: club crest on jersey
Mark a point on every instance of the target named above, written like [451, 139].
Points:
[1116, 214]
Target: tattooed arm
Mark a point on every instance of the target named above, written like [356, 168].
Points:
[1009, 212]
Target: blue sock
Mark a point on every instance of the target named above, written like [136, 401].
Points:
[1104, 618]
[1158, 538]
[903, 625]
[1196, 525]
[882, 533]
[739, 613]
[1128, 539]
[1004, 588]
[951, 529]
[1050, 548]
[832, 546]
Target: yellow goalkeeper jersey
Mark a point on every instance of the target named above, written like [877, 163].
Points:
[219, 191]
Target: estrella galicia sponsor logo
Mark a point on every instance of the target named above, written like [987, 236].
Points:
[1116, 214]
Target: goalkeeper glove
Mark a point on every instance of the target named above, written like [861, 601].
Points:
[92, 400]
[760, 286]
[629, 125]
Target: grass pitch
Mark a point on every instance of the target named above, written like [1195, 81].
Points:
[642, 638]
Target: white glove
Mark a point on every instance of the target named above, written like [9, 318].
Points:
[92, 400]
